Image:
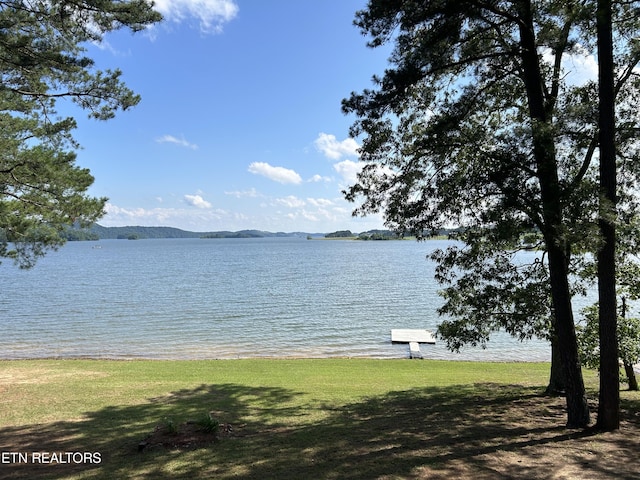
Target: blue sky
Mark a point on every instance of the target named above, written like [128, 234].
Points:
[240, 125]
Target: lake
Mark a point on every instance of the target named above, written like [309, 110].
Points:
[230, 298]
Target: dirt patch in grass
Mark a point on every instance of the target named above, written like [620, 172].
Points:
[187, 435]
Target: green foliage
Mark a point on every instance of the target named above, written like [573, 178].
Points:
[240, 234]
[491, 290]
[531, 240]
[451, 134]
[75, 234]
[170, 426]
[476, 122]
[42, 60]
[208, 424]
[628, 339]
[140, 232]
[340, 234]
[628, 288]
[378, 235]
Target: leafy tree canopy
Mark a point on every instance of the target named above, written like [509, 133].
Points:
[448, 138]
[478, 124]
[43, 46]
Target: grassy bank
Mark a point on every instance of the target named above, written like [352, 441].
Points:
[331, 418]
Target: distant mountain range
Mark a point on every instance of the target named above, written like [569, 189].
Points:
[98, 232]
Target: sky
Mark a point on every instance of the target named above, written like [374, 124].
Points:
[240, 124]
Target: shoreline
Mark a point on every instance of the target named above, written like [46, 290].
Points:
[268, 358]
[506, 350]
[232, 352]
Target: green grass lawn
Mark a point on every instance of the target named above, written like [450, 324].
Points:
[329, 418]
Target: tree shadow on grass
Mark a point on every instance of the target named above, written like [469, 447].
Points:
[481, 431]
[116, 432]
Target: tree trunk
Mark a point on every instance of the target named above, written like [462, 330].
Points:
[552, 210]
[557, 378]
[628, 367]
[631, 376]
[609, 399]
[577, 407]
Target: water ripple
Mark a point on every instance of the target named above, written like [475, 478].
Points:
[193, 298]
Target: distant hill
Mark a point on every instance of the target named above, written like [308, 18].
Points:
[382, 234]
[140, 232]
[370, 235]
[379, 235]
[97, 232]
[341, 234]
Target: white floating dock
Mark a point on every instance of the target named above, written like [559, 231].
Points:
[414, 338]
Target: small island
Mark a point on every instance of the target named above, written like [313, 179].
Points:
[369, 235]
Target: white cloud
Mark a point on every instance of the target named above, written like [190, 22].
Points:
[251, 193]
[318, 216]
[291, 202]
[197, 201]
[580, 66]
[349, 170]
[319, 202]
[277, 174]
[186, 218]
[335, 150]
[211, 14]
[319, 178]
[177, 141]
[126, 213]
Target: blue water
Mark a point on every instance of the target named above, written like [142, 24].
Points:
[229, 298]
